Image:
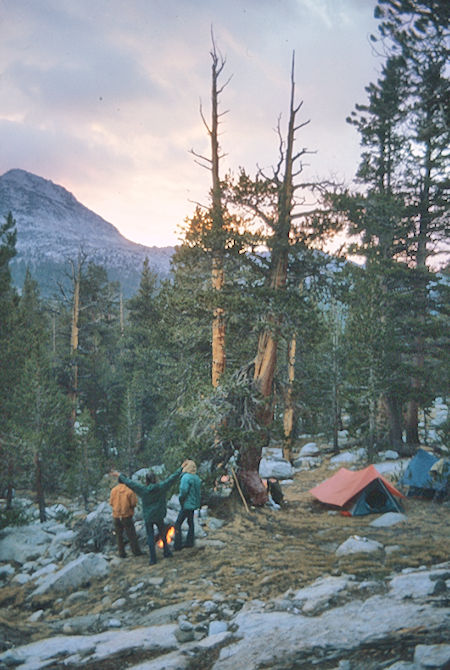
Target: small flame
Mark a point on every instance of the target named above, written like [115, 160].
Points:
[169, 537]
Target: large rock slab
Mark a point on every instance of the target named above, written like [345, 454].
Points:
[267, 638]
[313, 597]
[419, 584]
[74, 574]
[23, 543]
[77, 650]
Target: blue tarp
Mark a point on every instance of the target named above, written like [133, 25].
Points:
[418, 476]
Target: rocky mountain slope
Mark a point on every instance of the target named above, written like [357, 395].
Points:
[52, 227]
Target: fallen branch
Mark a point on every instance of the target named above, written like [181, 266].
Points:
[240, 490]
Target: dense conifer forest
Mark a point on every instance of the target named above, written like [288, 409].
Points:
[259, 335]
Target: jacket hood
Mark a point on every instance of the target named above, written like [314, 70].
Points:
[190, 467]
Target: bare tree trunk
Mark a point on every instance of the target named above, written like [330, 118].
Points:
[39, 487]
[266, 357]
[217, 219]
[76, 278]
[218, 325]
[288, 419]
[412, 410]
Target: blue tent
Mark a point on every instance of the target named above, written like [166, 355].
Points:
[420, 479]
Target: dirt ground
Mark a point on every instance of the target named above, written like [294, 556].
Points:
[264, 553]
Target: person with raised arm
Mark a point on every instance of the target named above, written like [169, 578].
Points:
[154, 506]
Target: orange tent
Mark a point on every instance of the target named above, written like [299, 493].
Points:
[364, 491]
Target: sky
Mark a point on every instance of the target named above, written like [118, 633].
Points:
[103, 96]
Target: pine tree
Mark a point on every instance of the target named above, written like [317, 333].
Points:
[10, 362]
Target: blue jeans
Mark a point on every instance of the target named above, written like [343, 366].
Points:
[189, 515]
[151, 538]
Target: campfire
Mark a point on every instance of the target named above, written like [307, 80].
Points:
[170, 532]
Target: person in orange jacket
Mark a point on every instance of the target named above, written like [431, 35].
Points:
[123, 501]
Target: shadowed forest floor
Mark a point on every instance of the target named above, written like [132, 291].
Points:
[256, 555]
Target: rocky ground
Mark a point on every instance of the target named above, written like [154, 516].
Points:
[263, 588]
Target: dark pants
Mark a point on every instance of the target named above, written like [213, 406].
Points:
[189, 515]
[125, 523]
[149, 527]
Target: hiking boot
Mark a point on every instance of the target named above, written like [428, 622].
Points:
[152, 562]
[168, 554]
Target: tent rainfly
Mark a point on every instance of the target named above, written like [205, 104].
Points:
[359, 492]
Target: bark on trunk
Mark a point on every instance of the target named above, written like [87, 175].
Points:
[395, 421]
[39, 488]
[74, 340]
[248, 475]
[288, 419]
[217, 270]
[218, 325]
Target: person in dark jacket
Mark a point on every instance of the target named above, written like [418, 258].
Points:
[189, 496]
[154, 506]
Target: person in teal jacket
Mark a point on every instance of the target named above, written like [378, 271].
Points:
[154, 506]
[189, 496]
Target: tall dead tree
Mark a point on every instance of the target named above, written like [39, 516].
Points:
[283, 178]
[278, 191]
[217, 217]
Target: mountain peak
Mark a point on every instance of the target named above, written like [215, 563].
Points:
[52, 226]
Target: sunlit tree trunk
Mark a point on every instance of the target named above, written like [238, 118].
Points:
[266, 357]
[288, 418]
[76, 278]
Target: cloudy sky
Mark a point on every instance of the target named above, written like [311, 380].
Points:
[102, 96]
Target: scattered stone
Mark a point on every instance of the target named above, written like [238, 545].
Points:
[77, 597]
[432, 656]
[344, 457]
[389, 519]
[216, 627]
[114, 623]
[389, 455]
[58, 511]
[280, 469]
[155, 581]
[117, 604]
[185, 631]
[390, 549]
[21, 578]
[6, 571]
[392, 469]
[307, 462]
[309, 449]
[209, 606]
[74, 574]
[358, 545]
[36, 616]
[215, 524]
